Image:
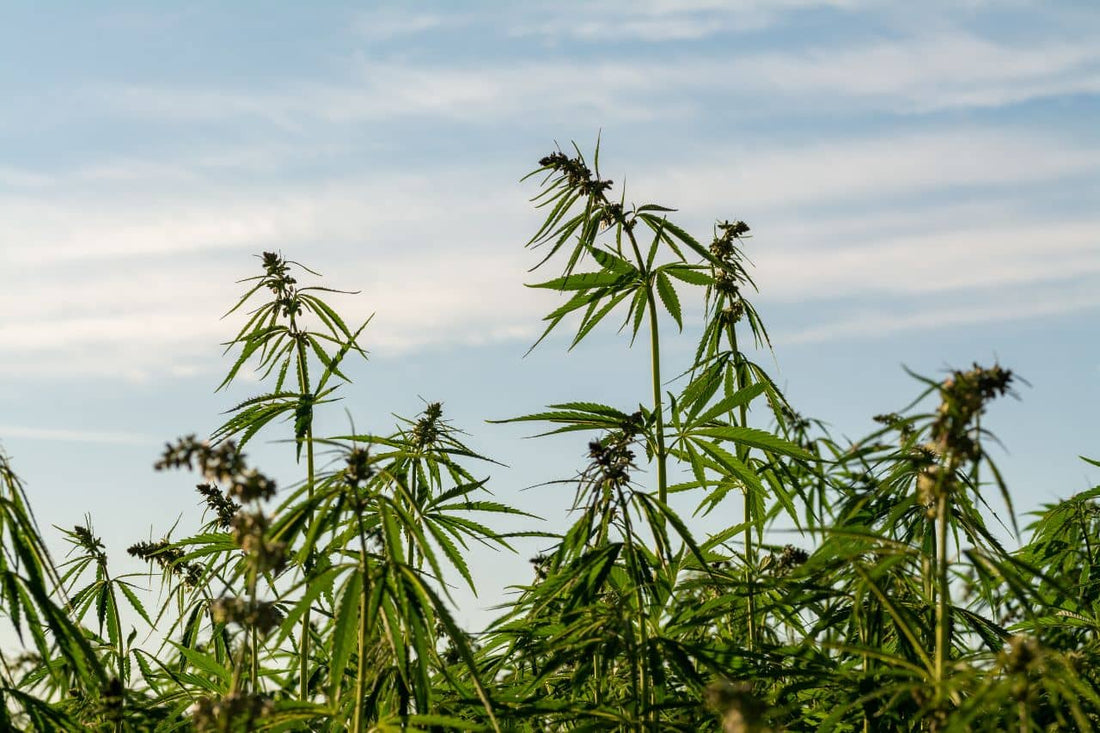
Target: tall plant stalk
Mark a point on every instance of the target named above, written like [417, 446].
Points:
[277, 346]
[943, 598]
[661, 455]
[311, 478]
[363, 632]
[742, 381]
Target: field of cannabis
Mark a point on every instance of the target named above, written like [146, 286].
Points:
[325, 605]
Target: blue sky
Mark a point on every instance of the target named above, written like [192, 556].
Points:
[922, 181]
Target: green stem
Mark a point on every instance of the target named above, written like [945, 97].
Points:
[644, 681]
[361, 657]
[253, 639]
[655, 368]
[254, 676]
[658, 404]
[866, 641]
[742, 381]
[943, 594]
[121, 651]
[415, 501]
[750, 563]
[304, 389]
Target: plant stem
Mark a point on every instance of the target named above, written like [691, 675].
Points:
[942, 593]
[253, 639]
[655, 369]
[304, 389]
[658, 405]
[642, 655]
[361, 658]
[741, 381]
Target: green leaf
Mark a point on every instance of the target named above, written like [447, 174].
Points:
[739, 398]
[669, 298]
[134, 602]
[757, 439]
[613, 263]
[345, 631]
[590, 320]
[581, 281]
[733, 465]
[205, 663]
[691, 274]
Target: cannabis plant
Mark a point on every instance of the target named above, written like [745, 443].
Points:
[892, 600]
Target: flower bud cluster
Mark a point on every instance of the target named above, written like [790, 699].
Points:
[611, 460]
[577, 175]
[169, 558]
[790, 558]
[249, 532]
[221, 504]
[426, 430]
[277, 279]
[894, 421]
[358, 470]
[223, 464]
[218, 463]
[235, 711]
[965, 395]
[740, 709]
[729, 272]
[260, 615]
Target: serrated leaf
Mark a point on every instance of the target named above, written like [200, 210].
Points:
[205, 663]
[580, 281]
[688, 273]
[670, 299]
[757, 439]
[345, 631]
[611, 262]
[737, 399]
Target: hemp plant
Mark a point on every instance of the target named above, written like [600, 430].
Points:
[607, 592]
[243, 702]
[64, 663]
[860, 585]
[275, 335]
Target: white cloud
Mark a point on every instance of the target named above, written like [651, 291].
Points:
[384, 90]
[124, 285]
[388, 24]
[873, 323]
[925, 73]
[19, 178]
[664, 20]
[951, 70]
[75, 436]
[865, 170]
[120, 282]
[1008, 253]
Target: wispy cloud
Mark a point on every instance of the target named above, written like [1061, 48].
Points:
[663, 20]
[874, 323]
[867, 169]
[385, 90]
[124, 285]
[75, 436]
[386, 24]
[19, 178]
[118, 281]
[1001, 255]
[925, 73]
[952, 70]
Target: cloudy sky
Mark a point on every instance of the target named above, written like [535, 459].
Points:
[922, 180]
